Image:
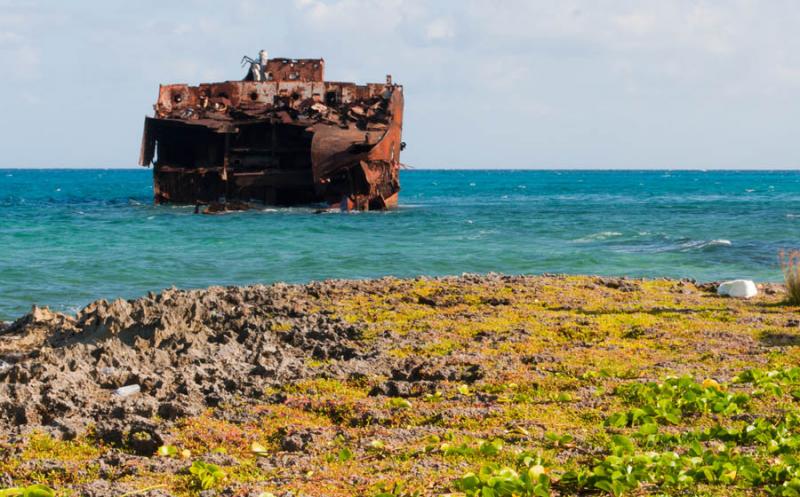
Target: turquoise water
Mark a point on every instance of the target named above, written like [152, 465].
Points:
[71, 236]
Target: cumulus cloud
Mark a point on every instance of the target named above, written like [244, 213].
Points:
[24, 59]
[637, 23]
[568, 82]
[19, 54]
[440, 29]
[360, 16]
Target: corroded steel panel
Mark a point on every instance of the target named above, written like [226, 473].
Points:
[282, 69]
[289, 138]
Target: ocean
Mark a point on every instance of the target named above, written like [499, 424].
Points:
[68, 237]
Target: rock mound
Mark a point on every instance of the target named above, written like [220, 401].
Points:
[185, 349]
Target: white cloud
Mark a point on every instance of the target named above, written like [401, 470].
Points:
[440, 29]
[20, 59]
[625, 66]
[19, 54]
[9, 38]
[31, 98]
[360, 16]
[637, 23]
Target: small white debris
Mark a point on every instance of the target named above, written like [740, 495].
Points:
[107, 370]
[743, 289]
[4, 366]
[127, 390]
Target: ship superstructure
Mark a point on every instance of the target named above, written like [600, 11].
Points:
[282, 136]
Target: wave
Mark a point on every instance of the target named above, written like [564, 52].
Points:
[667, 244]
[594, 237]
[703, 244]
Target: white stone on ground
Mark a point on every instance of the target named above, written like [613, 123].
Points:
[738, 288]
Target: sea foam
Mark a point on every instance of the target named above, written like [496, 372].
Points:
[603, 235]
[704, 244]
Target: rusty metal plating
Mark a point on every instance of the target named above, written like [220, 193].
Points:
[282, 136]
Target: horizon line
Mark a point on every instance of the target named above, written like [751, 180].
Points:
[598, 169]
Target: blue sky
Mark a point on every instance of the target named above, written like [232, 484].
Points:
[492, 84]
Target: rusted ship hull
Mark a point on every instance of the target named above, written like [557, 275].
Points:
[279, 142]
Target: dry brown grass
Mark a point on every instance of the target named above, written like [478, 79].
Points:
[790, 264]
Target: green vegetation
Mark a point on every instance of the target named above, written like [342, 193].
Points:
[205, 476]
[493, 388]
[398, 403]
[29, 491]
[668, 402]
[790, 263]
[763, 454]
[492, 480]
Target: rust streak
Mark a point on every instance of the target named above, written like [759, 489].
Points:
[283, 135]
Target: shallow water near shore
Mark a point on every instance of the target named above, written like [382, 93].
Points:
[71, 236]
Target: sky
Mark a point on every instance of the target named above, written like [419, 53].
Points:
[488, 84]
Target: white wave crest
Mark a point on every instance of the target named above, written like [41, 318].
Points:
[703, 244]
[603, 235]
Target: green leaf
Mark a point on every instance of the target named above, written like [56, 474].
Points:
[648, 429]
[167, 451]
[206, 476]
[344, 454]
[622, 443]
[617, 420]
[541, 491]
[604, 485]
[399, 403]
[38, 491]
[491, 448]
[469, 482]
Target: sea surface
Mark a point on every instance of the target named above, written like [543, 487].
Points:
[68, 237]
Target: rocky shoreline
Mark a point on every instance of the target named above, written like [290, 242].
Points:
[233, 354]
[187, 350]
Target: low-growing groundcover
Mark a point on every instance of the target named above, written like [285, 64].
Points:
[758, 453]
[485, 386]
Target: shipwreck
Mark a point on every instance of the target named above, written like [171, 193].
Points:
[281, 136]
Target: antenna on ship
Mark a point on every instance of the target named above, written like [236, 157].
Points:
[258, 68]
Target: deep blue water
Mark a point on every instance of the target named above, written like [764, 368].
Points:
[68, 237]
